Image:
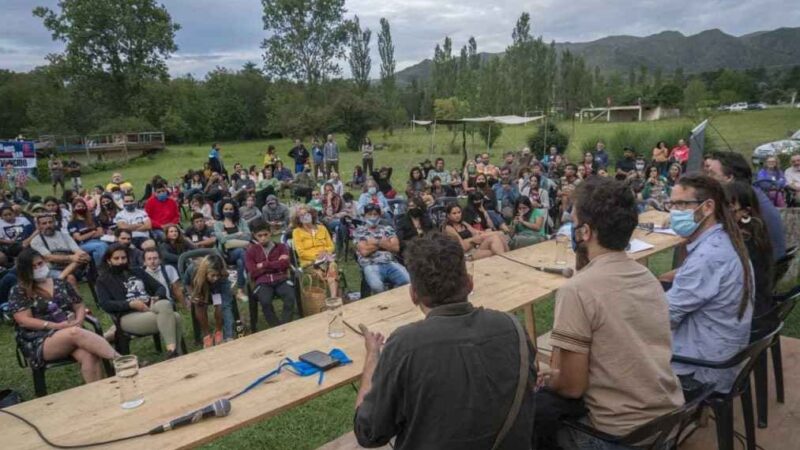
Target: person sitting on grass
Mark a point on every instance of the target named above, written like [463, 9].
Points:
[528, 224]
[49, 315]
[137, 299]
[447, 381]
[267, 265]
[314, 247]
[61, 251]
[377, 247]
[476, 244]
[210, 286]
[166, 275]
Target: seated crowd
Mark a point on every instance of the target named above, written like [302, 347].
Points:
[616, 325]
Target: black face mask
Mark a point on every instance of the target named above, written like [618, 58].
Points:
[415, 212]
[481, 184]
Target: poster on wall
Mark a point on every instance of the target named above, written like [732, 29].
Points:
[22, 154]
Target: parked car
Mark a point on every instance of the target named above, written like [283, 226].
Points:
[783, 147]
[724, 108]
[756, 106]
[742, 106]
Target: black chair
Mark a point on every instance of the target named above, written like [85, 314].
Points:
[722, 403]
[183, 265]
[784, 304]
[39, 380]
[659, 433]
[782, 264]
[296, 274]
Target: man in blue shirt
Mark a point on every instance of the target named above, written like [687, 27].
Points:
[729, 166]
[711, 297]
[600, 156]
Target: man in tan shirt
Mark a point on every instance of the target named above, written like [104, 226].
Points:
[611, 335]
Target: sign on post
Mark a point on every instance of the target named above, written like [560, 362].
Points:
[22, 154]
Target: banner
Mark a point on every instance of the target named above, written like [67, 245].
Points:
[696, 148]
[22, 154]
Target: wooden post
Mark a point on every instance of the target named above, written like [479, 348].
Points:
[433, 138]
[530, 322]
[608, 115]
[125, 142]
[640, 113]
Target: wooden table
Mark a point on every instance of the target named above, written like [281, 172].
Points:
[174, 387]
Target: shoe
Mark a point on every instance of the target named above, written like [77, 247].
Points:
[207, 341]
[172, 354]
[218, 338]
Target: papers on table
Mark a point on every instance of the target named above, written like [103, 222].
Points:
[636, 246]
[665, 231]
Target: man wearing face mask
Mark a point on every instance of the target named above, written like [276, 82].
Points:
[611, 335]
[372, 196]
[303, 184]
[711, 293]
[65, 257]
[135, 220]
[161, 209]
[377, 246]
[449, 380]
[267, 265]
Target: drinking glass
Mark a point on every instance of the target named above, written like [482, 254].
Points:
[127, 368]
[335, 317]
[562, 242]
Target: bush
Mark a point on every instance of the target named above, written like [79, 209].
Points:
[496, 131]
[537, 144]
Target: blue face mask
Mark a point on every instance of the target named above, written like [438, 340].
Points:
[162, 197]
[372, 221]
[372, 191]
[682, 222]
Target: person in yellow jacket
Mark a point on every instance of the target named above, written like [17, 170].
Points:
[271, 158]
[314, 246]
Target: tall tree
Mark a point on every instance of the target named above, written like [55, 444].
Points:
[360, 61]
[114, 47]
[386, 50]
[306, 38]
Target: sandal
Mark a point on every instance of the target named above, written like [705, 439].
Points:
[218, 338]
[207, 341]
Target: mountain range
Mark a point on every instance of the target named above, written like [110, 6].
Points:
[706, 51]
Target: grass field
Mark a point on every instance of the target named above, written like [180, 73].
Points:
[330, 416]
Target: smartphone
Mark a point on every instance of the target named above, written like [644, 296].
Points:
[320, 360]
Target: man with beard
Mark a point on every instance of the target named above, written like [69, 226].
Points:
[65, 257]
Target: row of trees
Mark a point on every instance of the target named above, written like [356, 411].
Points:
[112, 76]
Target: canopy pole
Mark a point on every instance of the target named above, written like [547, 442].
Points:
[433, 138]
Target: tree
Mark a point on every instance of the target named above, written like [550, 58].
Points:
[669, 95]
[306, 38]
[112, 47]
[386, 50]
[694, 94]
[360, 61]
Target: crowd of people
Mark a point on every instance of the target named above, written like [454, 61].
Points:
[611, 359]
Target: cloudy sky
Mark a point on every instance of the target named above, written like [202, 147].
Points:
[228, 33]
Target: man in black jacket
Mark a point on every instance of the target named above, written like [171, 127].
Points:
[450, 380]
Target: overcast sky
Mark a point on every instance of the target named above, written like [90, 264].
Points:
[228, 33]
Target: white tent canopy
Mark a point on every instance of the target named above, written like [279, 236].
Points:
[505, 120]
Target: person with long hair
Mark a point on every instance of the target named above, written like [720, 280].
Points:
[674, 174]
[174, 244]
[49, 314]
[416, 222]
[210, 286]
[711, 293]
[660, 157]
[771, 180]
[476, 244]
[107, 210]
[744, 205]
[233, 237]
[314, 246]
[416, 183]
[528, 224]
[137, 299]
[62, 216]
[86, 232]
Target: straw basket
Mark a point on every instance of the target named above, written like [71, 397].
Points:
[313, 294]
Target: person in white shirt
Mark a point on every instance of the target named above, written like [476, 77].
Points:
[67, 260]
[165, 274]
[792, 175]
[133, 219]
[338, 186]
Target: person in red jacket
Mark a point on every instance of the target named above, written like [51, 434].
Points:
[162, 209]
[267, 264]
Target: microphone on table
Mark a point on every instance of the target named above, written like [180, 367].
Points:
[219, 408]
[565, 272]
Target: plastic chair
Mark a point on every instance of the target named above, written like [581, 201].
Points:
[722, 403]
[39, 379]
[659, 433]
[784, 304]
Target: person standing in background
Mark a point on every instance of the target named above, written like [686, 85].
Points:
[367, 151]
[299, 154]
[74, 170]
[331, 156]
[319, 158]
[56, 167]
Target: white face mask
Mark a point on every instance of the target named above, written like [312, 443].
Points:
[41, 273]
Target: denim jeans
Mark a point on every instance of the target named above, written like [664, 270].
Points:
[7, 281]
[378, 274]
[96, 248]
[236, 256]
[497, 218]
[570, 439]
[227, 309]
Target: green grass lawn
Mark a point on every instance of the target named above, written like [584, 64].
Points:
[330, 416]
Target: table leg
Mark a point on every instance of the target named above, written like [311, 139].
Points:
[530, 322]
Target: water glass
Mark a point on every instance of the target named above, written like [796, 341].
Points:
[335, 317]
[127, 369]
[562, 242]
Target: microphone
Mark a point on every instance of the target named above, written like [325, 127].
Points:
[219, 408]
[566, 272]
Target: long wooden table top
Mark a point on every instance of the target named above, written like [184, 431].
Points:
[174, 387]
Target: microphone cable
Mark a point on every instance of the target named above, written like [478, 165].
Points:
[538, 269]
[52, 444]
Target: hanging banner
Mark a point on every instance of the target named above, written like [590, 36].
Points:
[22, 154]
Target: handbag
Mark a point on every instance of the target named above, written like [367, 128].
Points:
[522, 381]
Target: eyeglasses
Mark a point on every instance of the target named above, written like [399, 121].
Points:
[681, 204]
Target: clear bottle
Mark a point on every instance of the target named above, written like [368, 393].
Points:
[239, 329]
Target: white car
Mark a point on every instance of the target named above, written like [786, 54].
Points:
[739, 106]
[783, 147]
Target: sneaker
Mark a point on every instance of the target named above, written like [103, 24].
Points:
[207, 341]
[218, 338]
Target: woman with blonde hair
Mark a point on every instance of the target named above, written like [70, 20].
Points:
[314, 246]
[210, 286]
